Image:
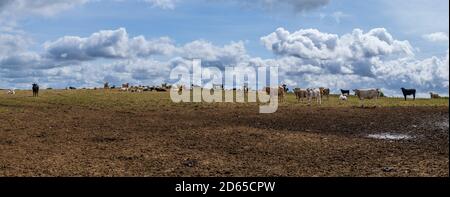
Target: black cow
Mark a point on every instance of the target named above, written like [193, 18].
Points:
[345, 92]
[285, 88]
[407, 92]
[35, 90]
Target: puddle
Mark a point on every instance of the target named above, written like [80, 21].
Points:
[389, 136]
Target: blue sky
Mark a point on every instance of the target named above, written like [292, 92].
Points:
[422, 23]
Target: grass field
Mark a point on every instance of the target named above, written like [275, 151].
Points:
[120, 100]
[112, 133]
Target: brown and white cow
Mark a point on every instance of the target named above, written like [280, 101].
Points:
[125, 87]
[325, 92]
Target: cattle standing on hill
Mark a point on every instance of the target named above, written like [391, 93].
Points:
[407, 92]
[345, 92]
[35, 90]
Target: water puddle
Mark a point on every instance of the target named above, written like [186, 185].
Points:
[389, 136]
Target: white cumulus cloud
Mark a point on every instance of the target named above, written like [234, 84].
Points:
[164, 4]
[309, 57]
[39, 7]
[436, 37]
[107, 44]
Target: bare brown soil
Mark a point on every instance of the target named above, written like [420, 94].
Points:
[71, 140]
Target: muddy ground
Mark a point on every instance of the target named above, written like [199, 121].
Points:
[73, 140]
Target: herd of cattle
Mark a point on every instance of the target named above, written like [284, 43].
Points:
[309, 94]
[139, 89]
[317, 94]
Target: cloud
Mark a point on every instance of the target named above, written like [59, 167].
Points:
[306, 58]
[89, 74]
[20, 60]
[296, 5]
[231, 54]
[115, 44]
[15, 53]
[436, 37]
[313, 44]
[312, 58]
[12, 43]
[427, 74]
[37, 7]
[338, 16]
[417, 16]
[107, 55]
[164, 4]
[12, 11]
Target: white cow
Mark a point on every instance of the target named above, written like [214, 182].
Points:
[314, 93]
[11, 91]
[343, 97]
[363, 94]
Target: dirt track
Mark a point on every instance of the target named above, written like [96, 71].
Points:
[65, 140]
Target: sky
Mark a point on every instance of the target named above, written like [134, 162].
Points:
[340, 44]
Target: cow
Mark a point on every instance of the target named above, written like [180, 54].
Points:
[324, 92]
[314, 93]
[106, 85]
[136, 89]
[363, 94]
[11, 91]
[300, 94]
[246, 89]
[125, 87]
[160, 89]
[280, 92]
[285, 88]
[434, 96]
[407, 92]
[166, 86]
[218, 86]
[345, 92]
[343, 97]
[180, 89]
[35, 90]
[72, 88]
